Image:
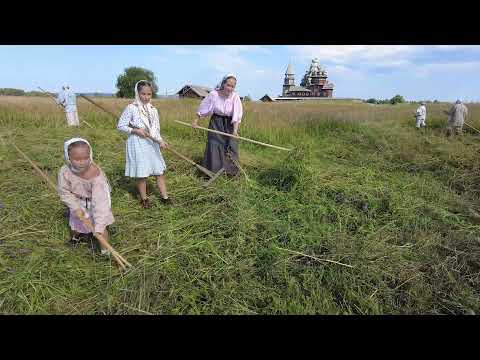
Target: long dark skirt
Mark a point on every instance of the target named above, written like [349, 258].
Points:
[220, 150]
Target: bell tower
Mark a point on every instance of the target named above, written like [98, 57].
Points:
[289, 80]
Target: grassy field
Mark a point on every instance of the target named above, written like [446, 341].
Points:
[365, 216]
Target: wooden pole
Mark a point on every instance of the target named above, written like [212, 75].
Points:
[201, 168]
[233, 136]
[39, 171]
[99, 106]
[62, 105]
[88, 224]
[219, 172]
[471, 127]
[51, 97]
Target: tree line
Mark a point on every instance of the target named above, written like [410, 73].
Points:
[397, 99]
[19, 92]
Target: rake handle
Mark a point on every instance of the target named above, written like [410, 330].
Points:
[88, 224]
[233, 136]
[98, 105]
[53, 98]
[200, 167]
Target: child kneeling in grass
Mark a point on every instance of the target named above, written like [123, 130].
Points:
[84, 188]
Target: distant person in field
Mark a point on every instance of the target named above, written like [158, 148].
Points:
[421, 115]
[84, 188]
[456, 118]
[68, 100]
[225, 107]
[143, 157]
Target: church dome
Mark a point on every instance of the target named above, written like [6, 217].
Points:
[289, 70]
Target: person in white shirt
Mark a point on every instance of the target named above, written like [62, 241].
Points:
[421, 115]
[68, 100]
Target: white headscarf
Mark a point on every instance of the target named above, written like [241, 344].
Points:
[221, 83]
[148, 115]
[67, 156]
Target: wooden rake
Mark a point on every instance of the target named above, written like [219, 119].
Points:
[83, 120]
[233, 136]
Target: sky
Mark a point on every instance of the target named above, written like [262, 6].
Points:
[417, 72]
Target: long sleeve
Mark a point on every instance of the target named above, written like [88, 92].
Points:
[60, 98]
[206, 106]
[237, 110]
[158, 136]
[124, 121]
[63, 189]
[101, 205]
[422, 112]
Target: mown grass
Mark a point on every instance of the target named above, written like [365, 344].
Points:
[365, 216]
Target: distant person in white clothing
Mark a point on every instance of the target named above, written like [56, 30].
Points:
[421, 115]
[456, 118]
[68, 100]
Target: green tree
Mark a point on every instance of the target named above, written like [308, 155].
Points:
[130, 76]
[371, 101]
[397, 99]
[12, 92]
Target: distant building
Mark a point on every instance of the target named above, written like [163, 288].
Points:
[313, 85]
[193, 91]
[267, 98]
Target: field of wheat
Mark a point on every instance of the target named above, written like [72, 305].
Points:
[366, 215]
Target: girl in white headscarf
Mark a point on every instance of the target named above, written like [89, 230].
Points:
[84, 188]
[143, 157]
[225, 107]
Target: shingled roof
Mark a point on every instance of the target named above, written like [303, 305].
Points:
[266, 98]
[201, 91]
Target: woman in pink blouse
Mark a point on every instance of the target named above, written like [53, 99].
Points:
[225, 107]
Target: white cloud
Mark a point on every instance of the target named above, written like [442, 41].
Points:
[345, 72]
[424, 70]
[179, 50]
[231, 49]
[343, 54]
[235, 49]
[159, 59]
[456, 47]
[373, 55]
[221, 58]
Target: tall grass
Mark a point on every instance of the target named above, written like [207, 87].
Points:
[365, 216]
